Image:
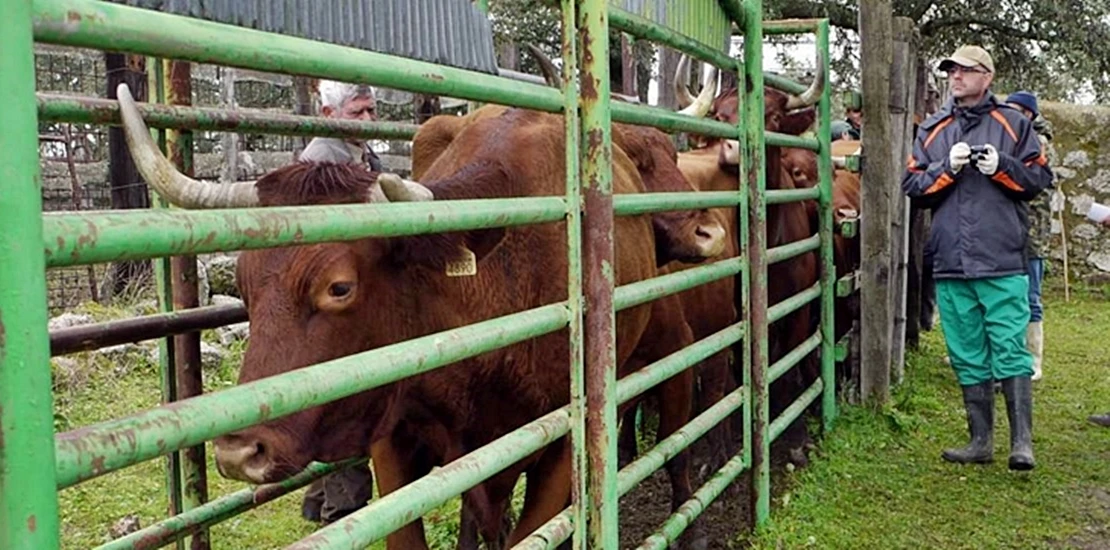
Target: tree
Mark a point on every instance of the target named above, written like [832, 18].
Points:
[1059, 48]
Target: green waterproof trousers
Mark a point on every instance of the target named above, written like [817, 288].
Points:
[984, 323]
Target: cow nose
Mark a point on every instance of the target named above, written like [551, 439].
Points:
[732, 152]
[710, 239]
[242, 458]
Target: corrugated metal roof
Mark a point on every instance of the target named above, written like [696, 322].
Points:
[703, 21]
[447, 32]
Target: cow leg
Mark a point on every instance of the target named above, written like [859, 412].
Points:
[715, 383]
[675, 404]
[394, 468]
[627, 446]
[548, 490]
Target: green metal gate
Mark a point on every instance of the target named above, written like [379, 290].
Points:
[35, 462]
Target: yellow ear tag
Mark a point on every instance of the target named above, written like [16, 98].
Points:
[463, 265]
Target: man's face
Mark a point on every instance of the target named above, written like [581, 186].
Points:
[357, 108]
[968, 82]
[855, 117]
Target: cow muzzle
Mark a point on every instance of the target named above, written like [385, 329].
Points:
[709, 239]
[244, 459]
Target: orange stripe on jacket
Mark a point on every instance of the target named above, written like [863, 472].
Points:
[1001, 118]
[1040, 161]
[911, 164]
[1005, 179]
[936, 131]
[943, 181]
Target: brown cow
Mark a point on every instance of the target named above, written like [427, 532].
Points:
[318, 302]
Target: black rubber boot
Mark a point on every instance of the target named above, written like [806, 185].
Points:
[979, 402]
[1019, 407]
[1100, 419]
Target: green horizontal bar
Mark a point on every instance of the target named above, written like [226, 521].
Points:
[90, 110]
[671, 121]
[385, 515]
[641, 292]
[847, 284]
[691, 509]
[842, 347]
[787, 251]
[558, 529]
[795, 410]
[852, 163]
[790, 359]
[783, 83]
[734, 9]
[643, 28]
[77, 238]
[790, 26]
[113, 27]
[849, 228]
[791, 304]
[782, 196]
[776, 139]
[222, 509]
[629, 204]
[101, 448]
[647, 378]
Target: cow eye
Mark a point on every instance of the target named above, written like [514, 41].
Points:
[340, 290]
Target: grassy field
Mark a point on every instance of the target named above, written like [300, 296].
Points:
[878, 481]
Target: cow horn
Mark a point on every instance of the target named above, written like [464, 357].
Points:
[159, 172]
[550, 72]
[681, 77]
[397, 189]
[839, 162]
[812, 94]
[704, 102]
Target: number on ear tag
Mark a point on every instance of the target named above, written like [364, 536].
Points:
[463, 265]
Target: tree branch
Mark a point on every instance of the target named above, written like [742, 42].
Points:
[839, 15]
[932, 27]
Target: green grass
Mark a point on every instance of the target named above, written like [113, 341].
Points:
[878, 480]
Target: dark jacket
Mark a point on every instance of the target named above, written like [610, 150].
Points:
[980, 225]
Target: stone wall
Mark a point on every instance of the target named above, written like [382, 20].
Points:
[1082, 144]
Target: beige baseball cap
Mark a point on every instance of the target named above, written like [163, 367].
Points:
[968, 56]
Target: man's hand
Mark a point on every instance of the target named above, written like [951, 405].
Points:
[958, 156]
[988, 163]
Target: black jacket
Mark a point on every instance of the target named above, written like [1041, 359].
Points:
[980, 225]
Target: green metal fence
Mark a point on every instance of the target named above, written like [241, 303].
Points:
[35, 462]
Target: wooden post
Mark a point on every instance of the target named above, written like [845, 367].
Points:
[878, 179]
[903, 84]
[231, 139]
[628, 67]
[128, 189]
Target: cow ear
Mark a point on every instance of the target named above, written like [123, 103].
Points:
[453, 254]
[796, 123]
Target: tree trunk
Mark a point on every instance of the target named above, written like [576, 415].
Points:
[878, 180]
[128, 189]
[903, 86]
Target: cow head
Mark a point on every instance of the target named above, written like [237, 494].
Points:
[311, 303]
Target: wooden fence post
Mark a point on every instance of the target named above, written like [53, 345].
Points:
[903, 84]
[877, 180]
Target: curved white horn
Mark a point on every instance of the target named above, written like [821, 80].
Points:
[551, 74]
[701, 105]
[681, 77]
[397, 189]
[812, 94]
[159, 172]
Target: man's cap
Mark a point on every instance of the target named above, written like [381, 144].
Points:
[1025, 99]
[968, 56]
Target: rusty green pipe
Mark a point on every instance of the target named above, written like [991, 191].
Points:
[559, 528]
[641, 292]
[641, 27]
[784, 84]
[776, 139]
[627, 204]
[794, 357]
[847, 284]
[690, 510]
[791, 26]
[796, 248]
[791, 304]
[136, 329]
[735, 11]
[108, 446]
[795, 410]
[28, 502]
[783, 196]
[387, 514]
[89, 110]
[828, 264]
[111, 26]
[108, 236]
[173, 529]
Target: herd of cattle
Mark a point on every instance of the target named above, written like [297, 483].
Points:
[313, 303]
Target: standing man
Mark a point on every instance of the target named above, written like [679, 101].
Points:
[975, 163]
[1040, 229]
[330, 498]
